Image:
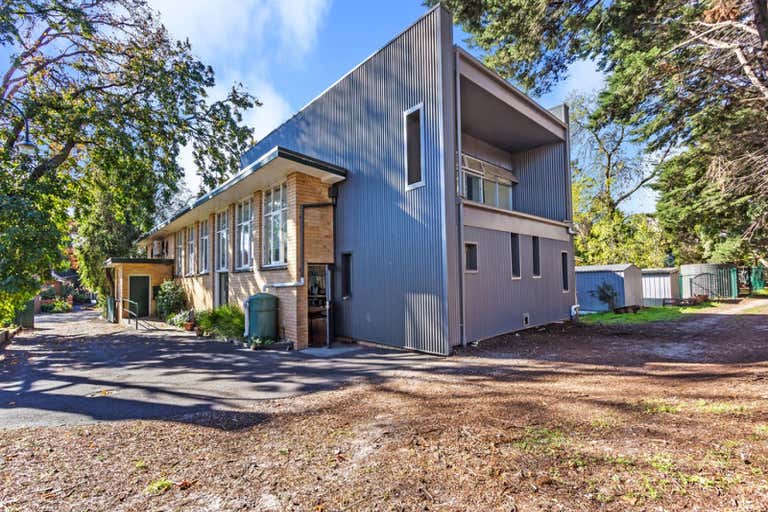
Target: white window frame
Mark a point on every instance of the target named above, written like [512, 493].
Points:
[222, 242]
[477, 258]
[268, 214]
[190, 255]
[179, 238]
[422, 136]
[203, 255]
[243, 234]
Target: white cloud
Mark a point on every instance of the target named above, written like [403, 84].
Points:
[241, 40]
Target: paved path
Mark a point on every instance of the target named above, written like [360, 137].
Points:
[76, 368]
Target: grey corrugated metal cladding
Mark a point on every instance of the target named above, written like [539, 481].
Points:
[395, 237]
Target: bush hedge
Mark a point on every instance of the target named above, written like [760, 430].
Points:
[171, 299]
[226, 321]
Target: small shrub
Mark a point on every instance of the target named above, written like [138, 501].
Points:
[180, 318]
[607, 294]
[48, 293]
[170, 299]
[204, 320]
[158, 486]
[227, 321]
[57, 306]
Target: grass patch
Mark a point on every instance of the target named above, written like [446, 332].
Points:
[760, 293]
[659, 406]
[761, 430]
[158, 486]
[719, 407]
[645, 315]
[540, 440]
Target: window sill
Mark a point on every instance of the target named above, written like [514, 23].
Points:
[414, 186]
[270, 268]
[517, 278]
[535, 277]
[242, 270]
[204, 273]
[471, 271]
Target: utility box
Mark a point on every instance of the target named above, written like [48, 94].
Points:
[262, 316]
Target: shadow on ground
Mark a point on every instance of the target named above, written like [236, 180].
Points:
[79, 369]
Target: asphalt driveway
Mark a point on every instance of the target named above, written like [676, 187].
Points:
[76, 368]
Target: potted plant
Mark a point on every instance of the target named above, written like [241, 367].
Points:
[189, 324]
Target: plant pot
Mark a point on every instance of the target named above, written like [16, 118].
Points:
[189, 326]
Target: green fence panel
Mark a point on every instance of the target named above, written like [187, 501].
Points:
[757, 277]
[734, 282]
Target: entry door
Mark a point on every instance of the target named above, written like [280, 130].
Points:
[138, 291]
[222, 290]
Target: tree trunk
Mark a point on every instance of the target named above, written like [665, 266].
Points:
[761, 22]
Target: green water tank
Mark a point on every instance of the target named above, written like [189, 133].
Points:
[262, 316]
[26, 316]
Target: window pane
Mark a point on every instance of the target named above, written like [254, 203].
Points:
[489, 192]
[472, 186]
[564, 267]
[536, 253]
[470, 257]
[346, 275]
[413, 146]
[276, 238]
[505, 196]
[283, 196]
[515, 254]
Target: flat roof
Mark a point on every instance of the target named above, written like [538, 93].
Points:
[618, 267]
[112, 261]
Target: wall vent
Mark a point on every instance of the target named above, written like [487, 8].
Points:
[526, 319]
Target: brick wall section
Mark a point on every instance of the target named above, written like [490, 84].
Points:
[318, 247]
[157, 274]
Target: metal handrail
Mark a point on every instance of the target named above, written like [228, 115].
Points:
[132, 314]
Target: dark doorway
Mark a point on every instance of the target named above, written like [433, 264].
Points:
[222, 290]
[138, 291]
[319, 300]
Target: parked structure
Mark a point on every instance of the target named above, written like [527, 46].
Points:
[660, 284]
[625, 279]
[422, 196]
[715, 280]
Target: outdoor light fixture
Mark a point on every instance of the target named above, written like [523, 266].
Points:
[26, 147]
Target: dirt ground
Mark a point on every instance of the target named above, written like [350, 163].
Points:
[649, 417]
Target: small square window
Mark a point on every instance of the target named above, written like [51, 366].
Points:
[470, 257]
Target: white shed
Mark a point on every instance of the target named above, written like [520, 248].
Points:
[660, 284]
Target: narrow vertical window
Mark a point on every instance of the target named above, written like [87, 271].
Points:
[244, 219]
[346, 275]
[203, 249]
[536, 257]
[564, 269]
[414, 135]
[275, 226]
[179, 264]
[222, 239]
[191, 250]
[470, 257]
[514, 248]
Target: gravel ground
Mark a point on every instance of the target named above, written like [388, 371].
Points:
[654, 417]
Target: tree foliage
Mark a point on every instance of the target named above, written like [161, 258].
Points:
[680, 74]
[111, 100]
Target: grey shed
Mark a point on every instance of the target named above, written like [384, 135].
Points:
[625, 278]
[660, 284]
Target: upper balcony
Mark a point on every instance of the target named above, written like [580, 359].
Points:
[514, 153]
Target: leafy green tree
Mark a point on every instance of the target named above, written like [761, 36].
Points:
[111, 99]
[681, 74]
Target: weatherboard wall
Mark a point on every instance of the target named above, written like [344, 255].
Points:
[396, 237]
